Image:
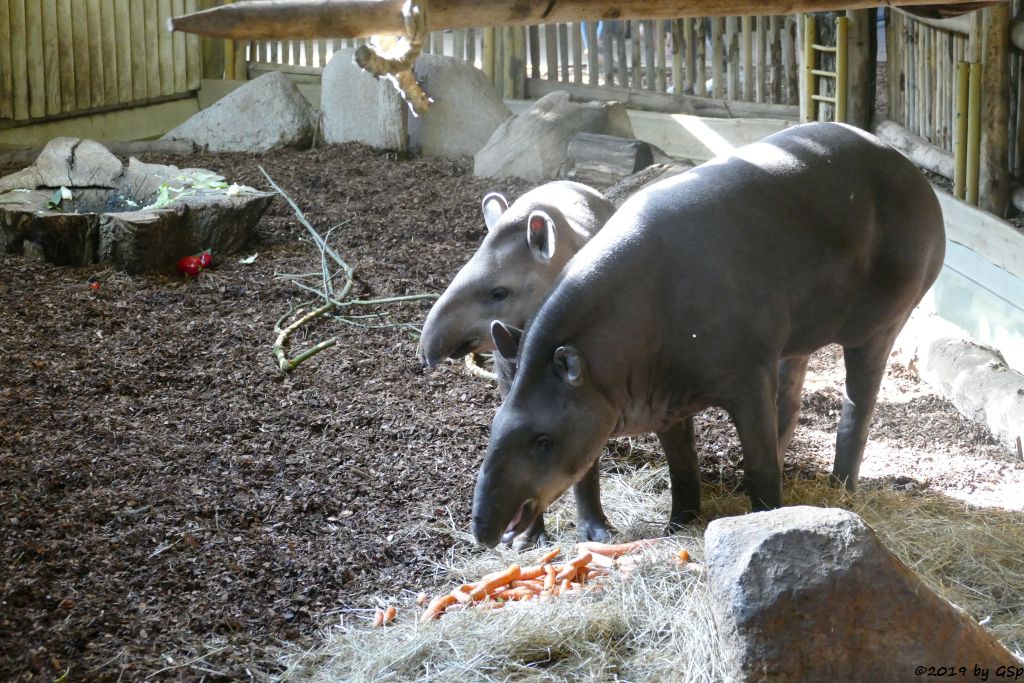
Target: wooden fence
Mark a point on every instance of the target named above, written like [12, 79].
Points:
[59, 57]
[735, 59]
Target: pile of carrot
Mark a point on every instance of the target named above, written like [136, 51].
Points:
[537, 582]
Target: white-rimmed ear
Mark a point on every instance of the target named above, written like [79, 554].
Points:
[540, 235]
[506, 340]
[569, 365]
[493, 205]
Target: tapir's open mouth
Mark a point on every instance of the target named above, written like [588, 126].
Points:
[523, 518]
[465, 348]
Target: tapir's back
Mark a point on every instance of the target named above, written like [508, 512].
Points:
[822, 230]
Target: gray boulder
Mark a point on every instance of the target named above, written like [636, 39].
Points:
[810, 594]
[360, 108]
[69, 162]
[534, 144]
[466, 109]
[266, 113]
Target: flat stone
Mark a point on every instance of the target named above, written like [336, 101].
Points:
[69, 162]
[360, 108]
[466, 109]
[533, 145]
[266, 113]
[810, 594]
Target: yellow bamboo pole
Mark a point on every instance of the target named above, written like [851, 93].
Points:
[488, 56]
[809, 113]
[842, 54]
[960, 132]
[973, 133]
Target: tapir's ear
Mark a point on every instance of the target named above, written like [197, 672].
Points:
[540, 235]
[569, 365]
[493, 205]
[506, 340]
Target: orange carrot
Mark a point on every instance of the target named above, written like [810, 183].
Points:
[389, 614]
[565, 587]
[513, 594]
[683, 556]
[437, 606]
[569, 568]
[602, 561]
[549, 579]
[378, 618]
[534, 572]
[496, 580]
[615, 549]
[550, 556]
[422, 599]
[532, 584]
[461, 594]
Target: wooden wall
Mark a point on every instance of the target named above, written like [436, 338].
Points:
[60, 57]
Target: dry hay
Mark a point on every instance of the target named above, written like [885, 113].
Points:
[657, 624]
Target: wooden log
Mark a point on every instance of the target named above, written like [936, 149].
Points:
[360, 18]
[860, 68]
[605, 159]
[961, 24]
[995, 176]
[1017, 33]
[916, 148]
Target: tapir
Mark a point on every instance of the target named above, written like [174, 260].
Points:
[526, 246]
[712, 288]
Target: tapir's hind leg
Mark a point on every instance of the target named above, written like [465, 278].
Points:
[680, 447]
[791, 384]
[755, 415]
[865, 366]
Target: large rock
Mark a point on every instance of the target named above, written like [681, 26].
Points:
[70, 162]
[264, 114]
[466, 109]
[359, 108]
[534, 144]
[810, 594]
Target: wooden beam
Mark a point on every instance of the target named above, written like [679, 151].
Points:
[256, 19]
[995, 176]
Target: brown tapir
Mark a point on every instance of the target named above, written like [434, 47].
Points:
[507, 278]
[712, 288]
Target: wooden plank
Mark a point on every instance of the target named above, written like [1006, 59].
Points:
[471, 46]
[69, 46]
[732, 58]
[593, 50]
[665, 102]
[775, 60]
[650, 41]
[608, 50]
[144, 48]
[178, 50]
[689, 34]
[791, 68]
[123, 27]
[51, 58]
[760, 83]
[576, 38]
[6, 63]
[748, 59]
[550, 52]
[108, 38]
[533, 34]
[717, 70]
[34, 54]
[636, 61]
[165, 46]
[680, 37]
[660, 67]
[309, 57]
[19, 60]
[194, 54]
[563, 52]
[700, 58]
[459, 44]
[81, 77]
[95, 62]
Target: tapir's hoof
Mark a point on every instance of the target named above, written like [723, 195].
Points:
[594, 530]
[680, 521]
[843, 480]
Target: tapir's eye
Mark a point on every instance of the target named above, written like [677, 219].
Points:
[499, 294]
[544, 442]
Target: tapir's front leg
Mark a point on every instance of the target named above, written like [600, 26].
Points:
[755, 415]
[679, 443]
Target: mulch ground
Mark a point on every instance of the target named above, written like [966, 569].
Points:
[173, 506]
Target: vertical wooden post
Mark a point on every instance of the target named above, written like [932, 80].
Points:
[680, 37]
[700, 59]
[634, 49]
[973, 133]
[717, 72]
[960, 133]
[810, 111]
[842, 30]
[563, 52]
[551, 52]
[488, 53]
[517, 63]
[995, 176]
[593, 51]
[860, 71]
[761, 91]
[576, 38]
[690, 36]
[748, 60]
[608, 50]
[620, 41]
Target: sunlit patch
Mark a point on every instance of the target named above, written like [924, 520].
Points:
[704, 134]
[766, 155]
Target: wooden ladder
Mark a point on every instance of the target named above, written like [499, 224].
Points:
[812, 73]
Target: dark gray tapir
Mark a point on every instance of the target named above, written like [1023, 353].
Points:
[712, 288]
[526, 246]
